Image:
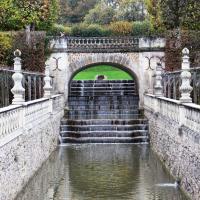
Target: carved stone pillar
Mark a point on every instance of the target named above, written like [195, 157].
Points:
[185, 88]
[158, 88]
[47, 80]
[18, 90]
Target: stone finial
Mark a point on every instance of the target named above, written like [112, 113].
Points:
[185, 88]
[47, 87]
[158, 88]
[18, 90]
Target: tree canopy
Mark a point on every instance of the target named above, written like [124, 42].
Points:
[174, 14]
[16, 14]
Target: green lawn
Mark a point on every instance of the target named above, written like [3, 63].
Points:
[112, 73]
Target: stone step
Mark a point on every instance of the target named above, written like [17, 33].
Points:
[99, 88]
[103, 93]
[104, 122]
[78, 134]
[103, 127]
[105, 85]
[103, 81]
[105, 116]
[106, 89]
[136, 140]
[110, 98]
[103, 112]
[103, 107]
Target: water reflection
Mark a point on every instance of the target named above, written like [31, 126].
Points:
[101, 172]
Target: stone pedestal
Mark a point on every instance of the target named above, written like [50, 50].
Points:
[185, 88]
[18, 90]
[158, 88]
[47, 80]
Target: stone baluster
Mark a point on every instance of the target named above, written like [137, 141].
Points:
[18, 90]
[47, 87]
[158, 88]
[185, 88]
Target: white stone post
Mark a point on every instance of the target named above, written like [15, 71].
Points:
[158, 88]
[185, 88]
[47, 87]
[18, 90]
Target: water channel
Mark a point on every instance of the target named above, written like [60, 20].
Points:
[102, 172]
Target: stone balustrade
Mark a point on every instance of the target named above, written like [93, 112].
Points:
[192, 117]
[10, 120]
[105, 44]
[149, 102]
[14, 118]
[171, 109]
[168, 108]
[36, 110]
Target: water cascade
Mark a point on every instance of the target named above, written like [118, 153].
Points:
[103, 111]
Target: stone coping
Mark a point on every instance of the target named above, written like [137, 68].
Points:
[29, 103]
[9, 108]
[187, 105]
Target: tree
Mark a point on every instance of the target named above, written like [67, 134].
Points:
[100, 14]
[175, 13]
[74, 11]
[18, 14]
[131, 10]
[154, 12]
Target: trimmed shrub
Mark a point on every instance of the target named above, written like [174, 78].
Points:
[93, 30]
[141, 28]
[121, 28]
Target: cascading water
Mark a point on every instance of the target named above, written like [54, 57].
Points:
[104, 112]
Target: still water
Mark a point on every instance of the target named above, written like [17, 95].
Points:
[102, 172]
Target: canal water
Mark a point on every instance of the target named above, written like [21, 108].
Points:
[102, 172]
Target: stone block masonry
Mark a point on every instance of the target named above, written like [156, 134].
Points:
[175, 136]
[28, 143]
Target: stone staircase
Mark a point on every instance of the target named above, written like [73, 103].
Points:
[103, 112]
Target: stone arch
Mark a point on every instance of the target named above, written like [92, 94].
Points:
[123, 61]
[81, 61]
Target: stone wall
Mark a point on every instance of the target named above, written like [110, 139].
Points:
[175, 136]
[25, 147]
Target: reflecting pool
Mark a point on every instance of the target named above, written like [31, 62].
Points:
[102, 172]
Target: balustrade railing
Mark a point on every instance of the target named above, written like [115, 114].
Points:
[32, 82]
[36, 110]
[172, 82]
[168, 108]
[192, 117]
[102, 43]
[9, 120]
[97, 44]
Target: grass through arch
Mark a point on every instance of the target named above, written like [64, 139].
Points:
[112, 73]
